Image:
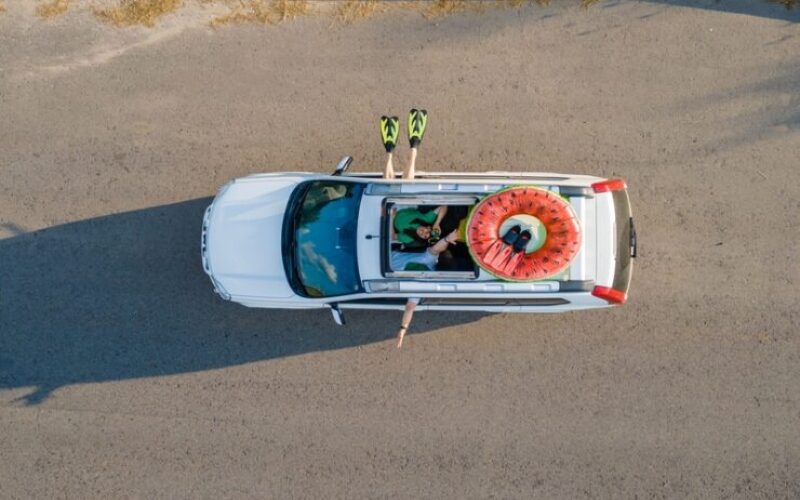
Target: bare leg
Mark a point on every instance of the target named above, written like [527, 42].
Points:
[417, 120]
[390, 127]
[388, 170]
[408, 171]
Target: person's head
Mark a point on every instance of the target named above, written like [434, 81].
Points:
[419, 232]
[423, 232]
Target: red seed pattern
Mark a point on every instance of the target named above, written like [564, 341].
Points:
[562, 243]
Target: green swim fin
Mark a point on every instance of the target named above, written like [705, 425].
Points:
[417, 120]
[390, 129]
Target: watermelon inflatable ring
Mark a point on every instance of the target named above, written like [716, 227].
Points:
[550, 220]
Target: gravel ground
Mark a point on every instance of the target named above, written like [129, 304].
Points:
[121, 374]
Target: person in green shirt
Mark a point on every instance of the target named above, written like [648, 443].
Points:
[414, 228]
[413, 225]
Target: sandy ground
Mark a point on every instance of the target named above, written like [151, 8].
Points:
[121, 374]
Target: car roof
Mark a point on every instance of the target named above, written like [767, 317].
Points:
[430, 192]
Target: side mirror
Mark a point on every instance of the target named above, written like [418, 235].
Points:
[338, 315]
[343, 165]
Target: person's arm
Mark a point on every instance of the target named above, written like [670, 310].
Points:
[391, 223]
[442, 244]
[441, 211]
[407, 315]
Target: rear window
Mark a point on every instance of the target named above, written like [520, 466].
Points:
[623, 223]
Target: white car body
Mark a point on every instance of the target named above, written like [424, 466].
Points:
[245, 250]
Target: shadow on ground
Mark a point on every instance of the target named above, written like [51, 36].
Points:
[124, 296]
[769, 9]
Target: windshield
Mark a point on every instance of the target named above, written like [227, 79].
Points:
[324, 239]
[622, 210]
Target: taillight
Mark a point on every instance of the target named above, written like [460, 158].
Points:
[610, 295]
[609, 185]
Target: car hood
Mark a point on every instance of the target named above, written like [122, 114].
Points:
[244, 237]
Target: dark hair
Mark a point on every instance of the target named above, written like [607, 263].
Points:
[412, 233]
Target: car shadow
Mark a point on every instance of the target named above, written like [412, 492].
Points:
[124, 296]
[764, 8]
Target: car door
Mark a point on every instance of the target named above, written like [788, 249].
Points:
[489, 305]
[387, 303]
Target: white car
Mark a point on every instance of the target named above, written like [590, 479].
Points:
[305, 240]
